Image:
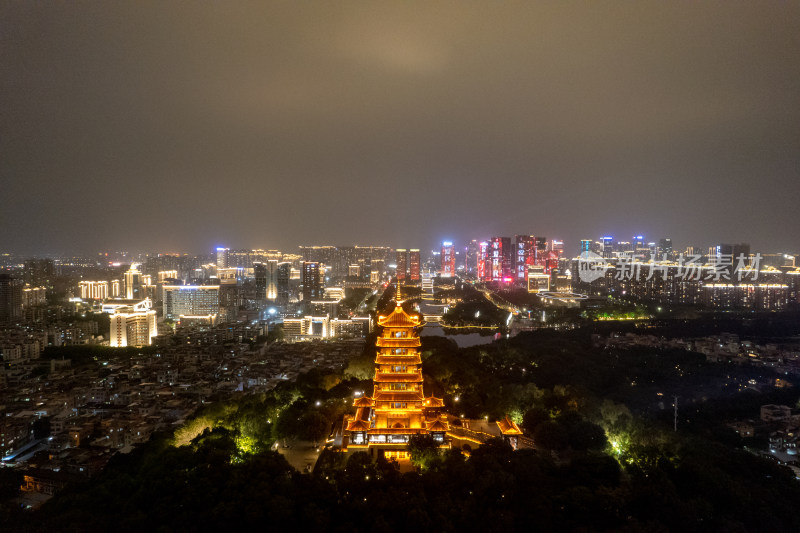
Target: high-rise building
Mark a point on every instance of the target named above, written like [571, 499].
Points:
[266, 275]
[39, 273]
[586, 245]
[93, 290]
[191, 301]
[397, 408]
[223, 257]
[524, 255]
[116, 291]
[664, 247]
[607, 244]
[471, 257]
[10, 298]
[501, 255]
[483, 266]
[402, 263]
[134, 284]
[448, 258]
[133, 325]
[413, 265]
[312, 281]
[284, 274]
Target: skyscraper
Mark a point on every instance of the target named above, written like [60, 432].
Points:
[501, 255]
[471, 259]
[524, 255]
[10, 299]
[448, 258]
[312, 281]
[222, 257]
[282, 283]
[413, 265]
[483, 264]
[402, 264]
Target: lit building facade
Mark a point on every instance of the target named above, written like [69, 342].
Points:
[397, 408]
[312, 281]
[133, 325]
[222, 257]
[401, 258]
[190, 300]
[524, 255]
[448, 257]
[413, 265]
[93, 290]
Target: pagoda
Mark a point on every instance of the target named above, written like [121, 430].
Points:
[397, 408]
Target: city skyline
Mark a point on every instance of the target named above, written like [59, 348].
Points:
[154, 126]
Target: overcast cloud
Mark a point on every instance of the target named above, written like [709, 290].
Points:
[183, 125]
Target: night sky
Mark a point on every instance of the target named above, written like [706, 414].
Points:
[181, 126]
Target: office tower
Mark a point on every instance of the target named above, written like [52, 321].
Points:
[222, 257]
[471, 257]
[134, 284]
[133, 325]
[448, 259]
[557, 246]
[607, 245]
[501, 254]
[638, 243]
[272, 279]
[260, 275]
[284, 274]
[664, 247]
[191, 300]
[413, 265]
[10, 298]
[312, 281]
[402, 264]
[524, 255]
[586, 245]
[541, 246]
[483, 261]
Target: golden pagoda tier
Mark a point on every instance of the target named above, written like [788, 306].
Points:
[397, 408]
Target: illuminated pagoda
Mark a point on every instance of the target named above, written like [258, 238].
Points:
[397, 408]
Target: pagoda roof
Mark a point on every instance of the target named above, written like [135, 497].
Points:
[398, 318]
[363, 401]
[432, 401]
[438, 425]
[389, 377]
[508, 427]
[398, 396]
[410, 359]
[398, 342]
[358, 425]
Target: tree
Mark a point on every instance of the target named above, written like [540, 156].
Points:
[314, 426]
[584, 436]
[424, 451]
[533, 417]
[550, 436]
